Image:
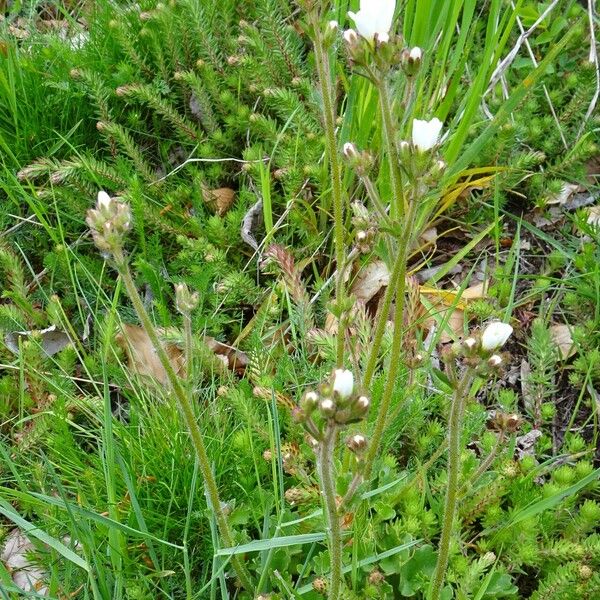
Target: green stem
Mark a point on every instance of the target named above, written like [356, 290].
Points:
[329, 115]
[397, 277]
[326, 474]
[454, 451]
[188, 414]
[397, 205]
[396, 354]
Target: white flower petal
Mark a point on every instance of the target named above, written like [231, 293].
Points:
[495, 335]
[343, 382]
[426, 134]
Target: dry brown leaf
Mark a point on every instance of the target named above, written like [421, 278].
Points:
[429, 236]
[143, 360]
[453, 302]
[219, 200]
[593, 217]
[561, 336]
[567, 190]
[16, 555]
[370, 280]
[51, 340]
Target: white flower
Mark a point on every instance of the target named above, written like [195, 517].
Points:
[343, 382]
[332, 25]
[374, 18]
[426, 134]
[495, 335]
[104, 201]
[416, 53]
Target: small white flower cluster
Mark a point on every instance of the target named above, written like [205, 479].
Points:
[336, 402]
[109, 221]
[486, 345]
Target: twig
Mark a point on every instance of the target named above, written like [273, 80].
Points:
[593, 58]
[508, 59]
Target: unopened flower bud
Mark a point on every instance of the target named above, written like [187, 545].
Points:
[104, 201]
[349, 151]
[405, 150]
[109, 221]
[309, 401]
[333, 25]
[470, 343]
[376, 577]
[185, 301]
[350, 37]
[363, 403]
[495, 361]
[416, 53]
[298, 415]
[411, 60]
[327, 407]
[361, 236]
[357, 443]
[320, 585]
[438, 168]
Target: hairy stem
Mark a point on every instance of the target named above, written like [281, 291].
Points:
[329, 115]
[327, 476]
[454, 450]
[188, 414]
[397, 205]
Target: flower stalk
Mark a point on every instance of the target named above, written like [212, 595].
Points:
[109, 222]
[329, 115]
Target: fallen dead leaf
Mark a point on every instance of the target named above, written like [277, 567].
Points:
[561, 336]
[567, 190]
[52, 340]
[449, 306]
[143, 360]
[219, 200]
[370, 280]
[17, 555]
[593, 217]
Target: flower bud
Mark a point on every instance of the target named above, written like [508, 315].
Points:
[411, 60]
[327, 407]
[185, 301]
[333, 25]
[109, 221]
[357, 443]
[309, 402]
[343, 383]
[469, 344]
[349, 151]
[350, 37]
[495, 361]
[495, 335]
